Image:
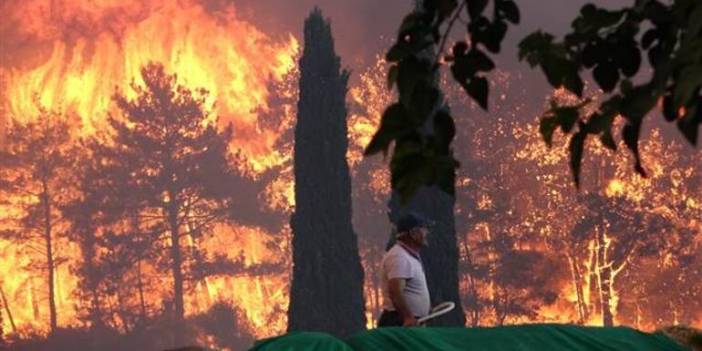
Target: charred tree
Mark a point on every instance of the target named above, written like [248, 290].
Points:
[168, 165]
[36, 165]
[327, 285]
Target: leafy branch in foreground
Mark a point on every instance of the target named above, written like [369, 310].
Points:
[610, 45]
[419, 123]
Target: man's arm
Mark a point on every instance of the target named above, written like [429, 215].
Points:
[395, 288]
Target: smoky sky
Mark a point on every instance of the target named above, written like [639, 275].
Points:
[365, 28]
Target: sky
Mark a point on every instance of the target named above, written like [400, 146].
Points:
[365, 28]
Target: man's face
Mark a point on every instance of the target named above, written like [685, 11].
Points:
[419, 235]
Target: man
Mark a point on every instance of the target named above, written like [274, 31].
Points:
[403, 283]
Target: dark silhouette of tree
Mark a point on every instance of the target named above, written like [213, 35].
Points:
[326, 292]
[607, 42]
[36, 164]
[83, 215]
[166, 168]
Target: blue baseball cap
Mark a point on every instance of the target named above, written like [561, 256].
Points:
[410, 221]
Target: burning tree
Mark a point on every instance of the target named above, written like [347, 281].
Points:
[36, 167]
[327, 285]
[167, 169]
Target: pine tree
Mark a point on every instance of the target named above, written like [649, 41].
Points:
[36, 168]
[168, 170]
[327, 285]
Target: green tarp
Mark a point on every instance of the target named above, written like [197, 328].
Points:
[302, 341]
[536, 337]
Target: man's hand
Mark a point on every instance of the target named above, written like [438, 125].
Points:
[396, 286]
[409, 321]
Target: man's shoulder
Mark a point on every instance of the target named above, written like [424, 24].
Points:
[397, 252]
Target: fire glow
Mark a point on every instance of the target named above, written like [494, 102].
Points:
[71, 56]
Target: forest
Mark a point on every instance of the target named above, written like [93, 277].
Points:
[155, 200]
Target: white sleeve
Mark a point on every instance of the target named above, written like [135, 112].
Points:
[397, 266]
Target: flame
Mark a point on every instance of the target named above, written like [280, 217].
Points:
[615, 188]
[71, 56]
[216, 51]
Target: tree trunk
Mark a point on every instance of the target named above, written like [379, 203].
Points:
[176, 259]
[49, 255]
[472, 288]
[326, 292]
[140, 284]
[594, 281]
[440, 257]
[8, 311]
[604, 274]
[576, 276]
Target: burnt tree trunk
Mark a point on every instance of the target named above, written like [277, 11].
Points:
[576, 276]
[8, 311]
[48, 242]
[326, 292]
[176, 258]
[605, 280]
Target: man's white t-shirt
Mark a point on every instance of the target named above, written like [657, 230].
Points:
[399, 263]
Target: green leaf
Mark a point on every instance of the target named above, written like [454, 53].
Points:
[476, 8]
[444, 129]
[410, 23]
[477, 88]
[572, 81]
[648, 38]
[566, 117]
[392, 76]
[689, 124]
[393, 124]
[445, 173]
[409, 169]
[480, 61]
[630, 134]
[592, 19]
[606, 76]
[398, 52]
[534, 47]
[465, 66]
[688, 84]
[608, 140]
[547, 126]
[594, 53]
[670, 113]
[424, 100]
[577, 143]
[509, 9]
[446, 7]
[561, 72]
[628, 59]
[494, 36]
[412, 72]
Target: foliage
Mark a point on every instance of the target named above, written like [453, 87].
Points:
[420, 157]
[35, 165]
[162, 175]
[607, 42]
